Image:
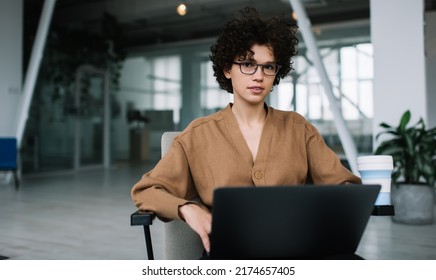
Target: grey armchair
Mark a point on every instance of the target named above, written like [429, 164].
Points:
[180, 241]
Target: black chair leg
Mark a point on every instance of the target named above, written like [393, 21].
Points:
[17, 183]
[148, 242]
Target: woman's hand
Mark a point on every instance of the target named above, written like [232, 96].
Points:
[200, 220]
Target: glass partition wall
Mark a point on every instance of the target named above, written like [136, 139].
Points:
[65, 129]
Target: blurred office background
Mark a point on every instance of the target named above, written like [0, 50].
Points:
[80, 155]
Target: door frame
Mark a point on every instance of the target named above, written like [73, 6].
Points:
[82, 70]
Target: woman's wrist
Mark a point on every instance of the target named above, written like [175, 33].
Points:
[184, 208]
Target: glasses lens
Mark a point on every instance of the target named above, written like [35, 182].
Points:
[270, 69]
[248, 67]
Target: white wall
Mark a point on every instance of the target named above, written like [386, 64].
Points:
[397, 34]
[430, 50]
[11, 32]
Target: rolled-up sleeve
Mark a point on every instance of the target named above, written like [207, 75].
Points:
[167, 186]
[325, 166]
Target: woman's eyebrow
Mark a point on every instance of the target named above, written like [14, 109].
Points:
[266, 62]
[247, 58]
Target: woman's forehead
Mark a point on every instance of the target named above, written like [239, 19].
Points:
[260, 52]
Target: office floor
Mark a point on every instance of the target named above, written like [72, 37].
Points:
[86, 215]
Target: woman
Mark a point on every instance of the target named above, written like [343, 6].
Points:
[247, 143]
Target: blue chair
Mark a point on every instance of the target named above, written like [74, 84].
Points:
[8, 157]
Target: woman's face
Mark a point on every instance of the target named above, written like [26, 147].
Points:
[252, 89]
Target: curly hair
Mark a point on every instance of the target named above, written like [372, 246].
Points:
[245, 30]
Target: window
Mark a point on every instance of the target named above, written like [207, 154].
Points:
[212, 97]
[350, 70]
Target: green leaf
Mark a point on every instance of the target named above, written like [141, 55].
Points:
[389, 148]
[385, 125]
[404, 120]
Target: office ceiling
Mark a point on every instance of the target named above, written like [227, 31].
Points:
[148, 22]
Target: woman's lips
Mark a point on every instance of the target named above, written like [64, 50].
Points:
[256, 89]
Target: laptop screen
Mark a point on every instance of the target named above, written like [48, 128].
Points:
[289, 222]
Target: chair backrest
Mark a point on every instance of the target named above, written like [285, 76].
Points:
[180, 241]
[8, 153]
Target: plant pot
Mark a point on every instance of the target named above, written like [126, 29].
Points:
[414, 203]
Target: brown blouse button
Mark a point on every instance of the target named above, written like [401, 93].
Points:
[258, 174]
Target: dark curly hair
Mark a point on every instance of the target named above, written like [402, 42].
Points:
[247, 29]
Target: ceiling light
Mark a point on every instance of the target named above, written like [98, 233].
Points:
[182, 9]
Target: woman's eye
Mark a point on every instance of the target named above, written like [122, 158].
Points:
[270, 67]
[248, 64]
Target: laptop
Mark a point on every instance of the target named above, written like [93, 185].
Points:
[289, 222]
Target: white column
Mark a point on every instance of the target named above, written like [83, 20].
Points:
[11, 45]
[32, 70]
[191, 98]
[430, 50]
[397, 35]
[312, 48]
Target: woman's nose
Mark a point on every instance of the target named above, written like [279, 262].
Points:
[258, 74]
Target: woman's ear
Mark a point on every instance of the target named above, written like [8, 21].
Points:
[227, 74]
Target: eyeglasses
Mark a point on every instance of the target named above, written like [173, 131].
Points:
[249, 68]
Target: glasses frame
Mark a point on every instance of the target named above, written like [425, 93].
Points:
[257, 66]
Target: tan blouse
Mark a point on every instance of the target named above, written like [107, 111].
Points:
[211, 152]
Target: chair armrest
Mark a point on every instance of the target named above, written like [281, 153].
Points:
[142, 218]
[145, 219]
[383, 210]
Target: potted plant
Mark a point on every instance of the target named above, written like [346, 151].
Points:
[413, 150]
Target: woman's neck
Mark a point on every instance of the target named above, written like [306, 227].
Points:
[247, 114]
